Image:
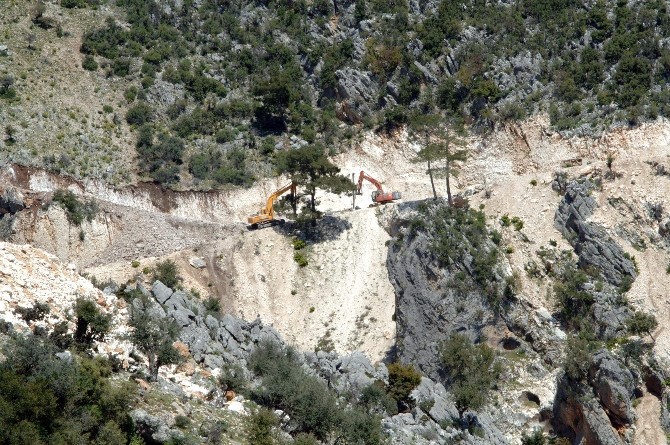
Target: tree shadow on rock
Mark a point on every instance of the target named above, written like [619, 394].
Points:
[327, 228]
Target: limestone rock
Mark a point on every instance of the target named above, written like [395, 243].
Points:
[591, 243]
[197, 262]
[161, 292]
[615, 385]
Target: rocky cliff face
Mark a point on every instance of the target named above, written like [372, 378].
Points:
[596, 408]
[429, 304]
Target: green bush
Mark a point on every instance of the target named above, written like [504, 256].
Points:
[92, 325]
[37, 312]
[260, 427]
[402, 381]
[166, 272]
[213, 305]
[537, 438]
[312, 408]
[573, 301]
[140, 114]
[76, 210]
[472, 369]
[376, 400]
[153, 336]
[130, 94]
[45, 399]
[517, 223]
[301, 259]
[74, 3]
[299, 244]
[121, 67]
[579, 352]
[89, 63]
[182, 422]
[232, 378]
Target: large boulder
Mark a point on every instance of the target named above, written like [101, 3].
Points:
[161, 292]
[615, 385]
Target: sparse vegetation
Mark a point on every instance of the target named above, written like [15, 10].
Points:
[459, 233]
[301, 259]
[311, 407]
[166, 272]
[154, 336]
[473, 372]
[77, 210]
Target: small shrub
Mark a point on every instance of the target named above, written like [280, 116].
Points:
[402, 381]
[130, 94]
[121, 67]
[300, 258]
[626, 284]
[166, 273]
[107, 109]
[312, 309]
[146, 270]
[505, 221]
[73, 3]
[182, 422]
[537, 438]
[376, 400]
[298, 244]
[232, 378]
[37, 312]
[260, 427]
[213, 305]
[517, 223]
[135, 264]
[140, 114]
[91, 323]
[89, 63]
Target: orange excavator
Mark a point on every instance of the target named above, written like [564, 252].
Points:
[266, 216]
[378, 196]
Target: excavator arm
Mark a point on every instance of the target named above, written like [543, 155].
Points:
[374, 182]
[269, 205]
[266, 216]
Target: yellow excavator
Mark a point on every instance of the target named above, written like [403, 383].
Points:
[266, 216]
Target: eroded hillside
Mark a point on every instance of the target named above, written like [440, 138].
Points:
[344, 299]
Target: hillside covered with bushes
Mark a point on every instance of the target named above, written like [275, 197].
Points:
[212, 90]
